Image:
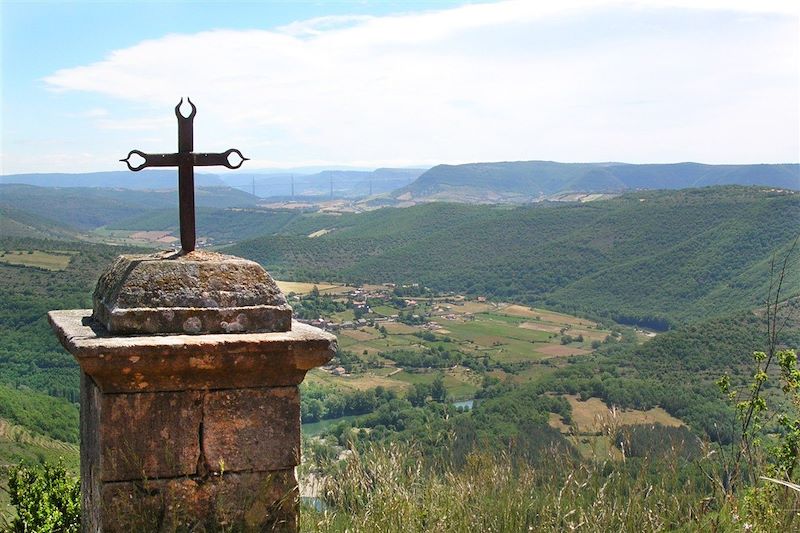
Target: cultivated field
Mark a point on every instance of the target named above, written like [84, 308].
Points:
[530, 339]
[593, 423]
[36, 258]
[305, 288]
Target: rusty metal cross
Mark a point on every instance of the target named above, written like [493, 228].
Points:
[185, 159]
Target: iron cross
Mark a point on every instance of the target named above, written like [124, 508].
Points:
[185, 159]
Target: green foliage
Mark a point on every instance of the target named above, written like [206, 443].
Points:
[315, 305]
[46, 499]
[658, 259]
[319, 403]
[91, 207]
[32, 363]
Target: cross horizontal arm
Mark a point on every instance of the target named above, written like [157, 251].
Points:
[152, 160]
[174, 160]
[208, 160]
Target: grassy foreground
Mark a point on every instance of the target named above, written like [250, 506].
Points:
[388, 489]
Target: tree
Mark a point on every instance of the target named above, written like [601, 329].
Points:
[438, 392]
[418, 394]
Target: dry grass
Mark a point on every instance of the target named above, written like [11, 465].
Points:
[561, 350]
[396, 489]
[594, 415]
[359, 335]
[35, 258]
[299, 287]
[545, 316]
[538, 326]
[398, 328]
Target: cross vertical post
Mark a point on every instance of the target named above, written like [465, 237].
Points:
[185, 159]
[186, 177]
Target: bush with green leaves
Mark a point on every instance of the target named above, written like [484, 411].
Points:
[47, 499]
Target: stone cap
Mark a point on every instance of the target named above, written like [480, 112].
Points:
[192, 293]
[179, 362]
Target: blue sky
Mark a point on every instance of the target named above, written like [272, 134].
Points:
[371, 84]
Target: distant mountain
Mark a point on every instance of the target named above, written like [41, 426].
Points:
[87, 208]
[143, 180]
[345, 183]
[524, 181]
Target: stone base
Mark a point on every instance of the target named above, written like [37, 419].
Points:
[228, 502]
[190, 432]
[192, 459]
[184, 362]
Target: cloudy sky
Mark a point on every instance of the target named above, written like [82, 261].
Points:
[369, 84]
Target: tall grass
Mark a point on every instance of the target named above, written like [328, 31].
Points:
[395, 488]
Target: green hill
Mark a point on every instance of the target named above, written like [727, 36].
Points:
[146, 179]
[17, 223]
[38, 379]
[523, 181]
[87, 208]
[216, 225]
[654, 258]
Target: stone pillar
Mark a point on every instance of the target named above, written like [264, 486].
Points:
[199, 428]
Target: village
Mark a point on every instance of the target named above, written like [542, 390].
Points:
[398, 335]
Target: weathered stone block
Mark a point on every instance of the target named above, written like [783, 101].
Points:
[252, 429]
[182, 362]
[195, 293]
[149, 435]
[258, 501]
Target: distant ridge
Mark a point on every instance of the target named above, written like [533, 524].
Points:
[86, 208]
[123, 179]
[344, 183]
[524, 181]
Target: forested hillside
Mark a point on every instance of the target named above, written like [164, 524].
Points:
[655, 258]
[38, 379]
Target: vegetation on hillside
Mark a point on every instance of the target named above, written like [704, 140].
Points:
[656, 259]
[88, 208]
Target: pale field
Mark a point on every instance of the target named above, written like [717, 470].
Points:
[561, 350]
[546, 316]
[365, 381]
[153, 236]
[554, 421]
[359, 335]
[398, 328]
[596, 447]
[594, 415]
[538, 326]
[588, 334]
[318, 233]
[38, 259]
[299, 287]
[471, 307]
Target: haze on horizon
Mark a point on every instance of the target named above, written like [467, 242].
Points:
[396, 84]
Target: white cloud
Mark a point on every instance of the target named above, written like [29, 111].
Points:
[573, 80]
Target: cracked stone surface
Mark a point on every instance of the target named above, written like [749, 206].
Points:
[196, 293]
